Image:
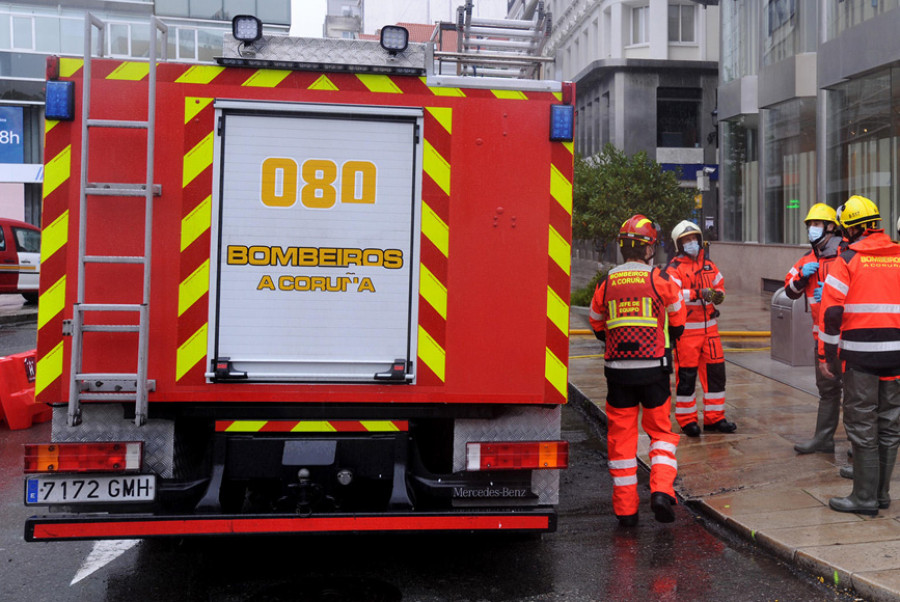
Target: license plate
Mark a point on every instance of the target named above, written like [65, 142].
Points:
[89, 489]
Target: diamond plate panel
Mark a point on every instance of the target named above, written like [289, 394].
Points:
[326, 51]
[105, 423]
[514, 424]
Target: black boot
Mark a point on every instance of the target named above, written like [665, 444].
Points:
[691, 429]
[863, 499]
[846, 472]
[826, 424]
[661, 504]
[887, 457]
[722, 426]
[629, 520]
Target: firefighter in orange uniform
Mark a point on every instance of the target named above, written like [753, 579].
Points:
[637, 311]
[859, 322]
[700, 349]
[807, 276]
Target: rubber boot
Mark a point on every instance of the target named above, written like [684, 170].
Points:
[826, 424]
[846, 472]
[887, 457]
[865, 485]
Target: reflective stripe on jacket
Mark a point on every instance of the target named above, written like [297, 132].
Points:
[634, 305]
[692, 275]
[860, 312]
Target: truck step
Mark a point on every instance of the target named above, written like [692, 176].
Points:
[83, 307]
[110, 328]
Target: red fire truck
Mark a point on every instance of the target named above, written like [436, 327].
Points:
[317, 287]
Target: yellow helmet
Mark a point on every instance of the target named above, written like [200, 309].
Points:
[821, 212]
[858, 210]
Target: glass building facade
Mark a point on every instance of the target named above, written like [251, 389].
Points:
[809, 111]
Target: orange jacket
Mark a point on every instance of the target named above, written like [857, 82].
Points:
[795, 285]
[860, 312]
[691, 275]
[633, 309]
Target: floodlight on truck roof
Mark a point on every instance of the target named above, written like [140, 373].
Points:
[394, 38]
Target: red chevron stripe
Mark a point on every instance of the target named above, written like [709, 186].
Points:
[54, 268]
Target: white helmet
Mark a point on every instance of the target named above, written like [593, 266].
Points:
[685, 228]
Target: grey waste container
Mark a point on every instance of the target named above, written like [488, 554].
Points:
[792, 340]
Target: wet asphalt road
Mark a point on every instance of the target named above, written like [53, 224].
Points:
[589, 558]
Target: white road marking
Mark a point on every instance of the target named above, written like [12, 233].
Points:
[103, 553]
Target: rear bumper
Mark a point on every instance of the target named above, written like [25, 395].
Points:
[137, 526]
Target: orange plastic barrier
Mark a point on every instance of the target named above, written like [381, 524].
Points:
[17, 406]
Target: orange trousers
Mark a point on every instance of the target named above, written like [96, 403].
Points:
[699, 354]
[622, 447]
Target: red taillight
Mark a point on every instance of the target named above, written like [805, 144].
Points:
[84, 457]
[568, 93]
[506, 455]
[51, 69]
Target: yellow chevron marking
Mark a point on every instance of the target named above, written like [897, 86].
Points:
[557, 311]
[379, 83]
[49, 124]
[436, 167]
[435, 230]
[192, 351]
[193, 105]
[561, 189]
[379, 425]
[432, 354]
[558, 96]
[437, 91]
[323, 83]
[200, 74]
[197, 159]
[193, 287]
[570, 146]
[68, 67]
[266, 78]
[49, 368]
[560, 250]
[54, 236]
[57, 170]
[51, 302]
[556, 373]
[313, 426]
[510, 94]
[196, 223]
[246, 426]
[433, 291]
[130, 71]
[444, 116]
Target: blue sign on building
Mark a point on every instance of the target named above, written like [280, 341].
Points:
[12, 147]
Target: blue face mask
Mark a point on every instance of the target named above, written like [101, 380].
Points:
[815, 233]
[692, 248]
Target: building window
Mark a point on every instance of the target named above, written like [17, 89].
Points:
[739, 179]
[863, 130]
[681, 23]
[789, 163]
[639, 25]
[678, 117]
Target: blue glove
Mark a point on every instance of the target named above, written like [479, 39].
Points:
[809, 269]
[817, 294]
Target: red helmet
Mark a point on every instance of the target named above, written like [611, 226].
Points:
[639, 230]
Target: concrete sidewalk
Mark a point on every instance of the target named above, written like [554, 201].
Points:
[752, 480]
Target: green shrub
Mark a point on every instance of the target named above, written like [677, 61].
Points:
[582, 297]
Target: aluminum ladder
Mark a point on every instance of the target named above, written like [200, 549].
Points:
[502, 47]
[113, 386]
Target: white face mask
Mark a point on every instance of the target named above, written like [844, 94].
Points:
[692, 248]
[815, 233]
